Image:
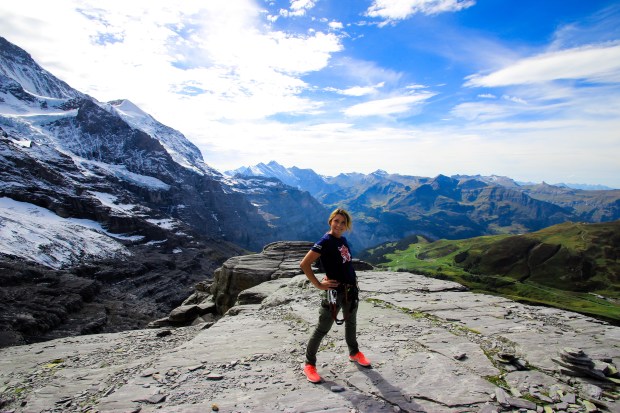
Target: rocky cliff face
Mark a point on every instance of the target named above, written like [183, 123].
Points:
[435, 347]
[40, 303]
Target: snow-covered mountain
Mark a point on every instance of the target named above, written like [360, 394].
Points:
[17, 65]
[272, 170]
[303, 179]
[105, 192]
[178, 147]
[77, 147]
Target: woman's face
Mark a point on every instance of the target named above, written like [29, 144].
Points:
[338, 225]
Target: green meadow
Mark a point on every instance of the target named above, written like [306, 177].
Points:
[572, 266]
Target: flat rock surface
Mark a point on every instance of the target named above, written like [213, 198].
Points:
[433, 346]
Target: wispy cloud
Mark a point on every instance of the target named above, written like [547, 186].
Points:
[298, 8]
[217, 56]
[390, 10]
[596, 63]
[389, 106]
[358, 90]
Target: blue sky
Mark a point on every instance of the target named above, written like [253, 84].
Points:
[525, 89]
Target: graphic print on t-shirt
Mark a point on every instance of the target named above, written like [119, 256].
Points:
[344, 252]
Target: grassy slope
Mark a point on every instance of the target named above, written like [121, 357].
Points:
[570, 266]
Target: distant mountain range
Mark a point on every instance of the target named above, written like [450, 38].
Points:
[389, 207]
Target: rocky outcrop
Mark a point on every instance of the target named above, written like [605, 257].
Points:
[435, 348]
[236, 279]
[276, 260]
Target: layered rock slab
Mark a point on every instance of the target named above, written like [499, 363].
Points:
[431, 343]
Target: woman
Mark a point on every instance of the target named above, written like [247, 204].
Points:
[333, 251]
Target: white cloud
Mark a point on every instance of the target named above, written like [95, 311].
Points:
[514, 99]
[336, 25]
[388, 106]
[482, 111]
[600, 64]
[561, 105]
[402, 9]
[298, 8]
[358, 90]
[415, 87]
[302, 4]
[356, 71]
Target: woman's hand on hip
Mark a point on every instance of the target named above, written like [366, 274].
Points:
[328, 284]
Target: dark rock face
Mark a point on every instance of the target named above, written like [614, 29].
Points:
[31, 301]
[39, 303]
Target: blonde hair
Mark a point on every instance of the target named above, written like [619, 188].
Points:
[344, 213]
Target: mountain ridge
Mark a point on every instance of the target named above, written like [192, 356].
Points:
[393, 206]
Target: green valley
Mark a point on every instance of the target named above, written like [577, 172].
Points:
[573, 266]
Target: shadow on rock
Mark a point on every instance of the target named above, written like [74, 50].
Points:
[392, 395]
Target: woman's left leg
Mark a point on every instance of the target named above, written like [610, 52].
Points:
[349, 311]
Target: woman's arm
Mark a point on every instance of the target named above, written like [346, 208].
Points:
[306, 266]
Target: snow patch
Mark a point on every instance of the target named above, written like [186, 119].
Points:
[111, 202]
[24, 143]
[164, 223]
[121, 172]
[37, 234]
[157, 242]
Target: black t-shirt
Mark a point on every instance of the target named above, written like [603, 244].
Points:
[336, 258]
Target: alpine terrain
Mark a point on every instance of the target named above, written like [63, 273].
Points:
[108, 218]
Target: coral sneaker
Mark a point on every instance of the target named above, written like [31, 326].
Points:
[311, 374]
[361, 359]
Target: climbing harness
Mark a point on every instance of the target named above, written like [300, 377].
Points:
[332, 299]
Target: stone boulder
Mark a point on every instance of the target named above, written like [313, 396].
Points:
[276, 260]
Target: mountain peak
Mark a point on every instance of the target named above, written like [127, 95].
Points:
[17, 64]
[128, 107]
